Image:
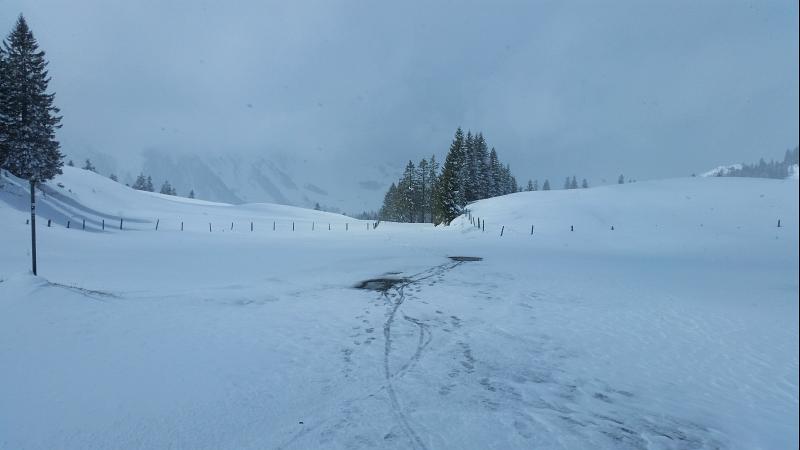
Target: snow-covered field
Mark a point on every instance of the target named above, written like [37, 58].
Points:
[678, 329]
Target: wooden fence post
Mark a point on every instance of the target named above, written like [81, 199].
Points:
[209, 227]
[84, 224]
[104, 224]
[346, 226]
[251, 226]
[531, 230]
[292, 226]
[502, 229]
[120, 223]
[273, 225]
[48, 223]
[779, 223]
[157, 221]
[67, 224]
[181, 225]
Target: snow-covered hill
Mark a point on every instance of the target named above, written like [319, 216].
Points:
[676, 329]
[79, 195]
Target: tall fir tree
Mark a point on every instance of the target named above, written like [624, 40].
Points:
[574, 183]
[529, 187]
[535, 185]
[546, 185]
[433, 176]
[584, 184]
[482, 164]
[28, 119]
[449, 194]
[495, 175]
[423, 190]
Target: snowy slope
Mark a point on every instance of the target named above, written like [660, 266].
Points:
[678, 329]
[79, 194]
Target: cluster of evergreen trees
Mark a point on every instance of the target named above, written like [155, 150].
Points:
[28, 119]
[427, 194]
[143, 183]
[763, 169]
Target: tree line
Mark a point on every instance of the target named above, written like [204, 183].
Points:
[763, 169]
[428, 192]
[471, 171]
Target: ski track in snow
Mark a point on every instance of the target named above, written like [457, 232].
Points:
[397, 408]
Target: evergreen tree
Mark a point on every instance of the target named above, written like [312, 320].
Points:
[546, 185]
[535, 185]
[495, 178]
[449, 194]
[141, 183]
[88, 166]
[469, 174]
[113, 177]
[433, 176]
[191, 193]
[574, 183]
[584, 184]
[148, 185]
[482, 166]
[529, 188]
[166, 188]
[70, 163]
[406, 194]
[621, 179]
[566, 183]
[28, 119]
[4, 88]
[387, 211]
[423, 190]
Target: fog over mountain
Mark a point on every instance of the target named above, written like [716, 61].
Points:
[308, 102]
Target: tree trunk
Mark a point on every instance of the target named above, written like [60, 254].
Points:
[33, 225]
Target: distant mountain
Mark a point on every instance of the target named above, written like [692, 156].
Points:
[233, 178]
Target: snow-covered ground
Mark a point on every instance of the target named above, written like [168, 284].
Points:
[678, 329]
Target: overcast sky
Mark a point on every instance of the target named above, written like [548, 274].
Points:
[651, 89]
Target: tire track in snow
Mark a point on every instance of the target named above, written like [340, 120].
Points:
[422, 343]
